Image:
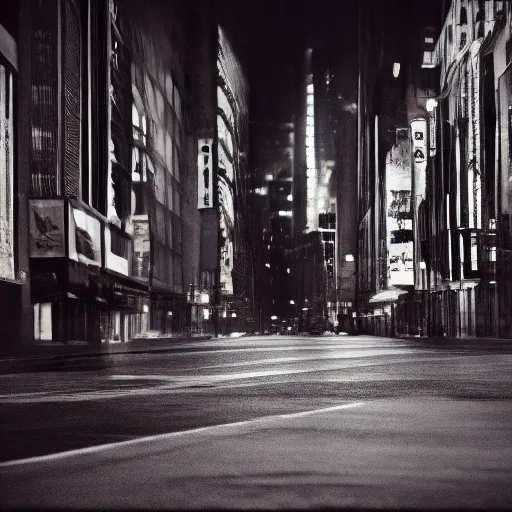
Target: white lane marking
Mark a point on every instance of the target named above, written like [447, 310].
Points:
[170, 435]
[316, 411]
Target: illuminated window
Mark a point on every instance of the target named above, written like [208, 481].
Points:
[310, 131]
[428, 59]
[310, 110]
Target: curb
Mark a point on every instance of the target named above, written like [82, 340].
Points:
[59, 357]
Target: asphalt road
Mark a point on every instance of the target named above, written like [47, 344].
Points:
[269, 422]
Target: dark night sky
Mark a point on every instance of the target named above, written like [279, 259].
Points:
[270, 37]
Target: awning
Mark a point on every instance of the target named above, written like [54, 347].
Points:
[390, 295]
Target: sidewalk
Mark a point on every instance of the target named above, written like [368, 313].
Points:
[460, 343]
[41, 356]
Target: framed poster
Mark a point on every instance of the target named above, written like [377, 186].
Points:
[46, 224]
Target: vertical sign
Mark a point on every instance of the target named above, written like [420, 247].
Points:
[204, 173]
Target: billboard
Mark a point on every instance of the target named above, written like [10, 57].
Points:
[399, 215]
[117, 251]
[84, 237]
[204, 173]
[46, 224]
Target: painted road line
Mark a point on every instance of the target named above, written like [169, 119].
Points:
[169, 435]
[318, 411]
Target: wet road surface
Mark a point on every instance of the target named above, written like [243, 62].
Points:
[264, 423]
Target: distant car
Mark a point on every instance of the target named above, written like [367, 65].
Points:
[316, 325]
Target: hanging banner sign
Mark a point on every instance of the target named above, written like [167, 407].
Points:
[204, 173]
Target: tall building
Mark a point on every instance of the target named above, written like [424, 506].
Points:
[392, 153]
[465, 240]
[434, 231]
[106, 136]
[14, 181]
[272, 199]
[325, 180]
[232, 148]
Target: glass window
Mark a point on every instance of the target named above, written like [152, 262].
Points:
[136, 167]
[168, 153]
[170, 192]
[177, 203]
[160, 183]
[170, 236]
[160, 230]
[160, 106]
[178, 276]
[176, 166]
[169, 86]
[177, 103]
[171, 270]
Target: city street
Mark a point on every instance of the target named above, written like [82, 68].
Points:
[264, 422]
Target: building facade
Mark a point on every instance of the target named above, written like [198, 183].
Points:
[444, 178]
[113, 225]
[232, 148]
[14, 181]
